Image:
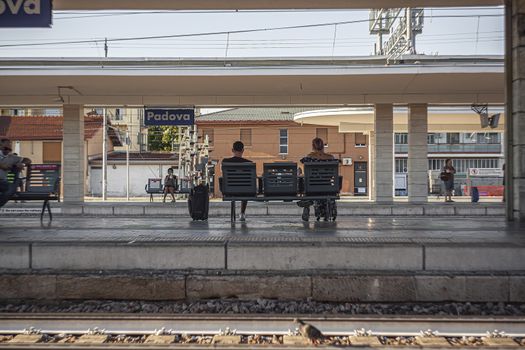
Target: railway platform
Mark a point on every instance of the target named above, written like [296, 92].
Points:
[346, 207]
[357, 258]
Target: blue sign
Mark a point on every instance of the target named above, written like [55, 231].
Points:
[185, 116]
[25, 13]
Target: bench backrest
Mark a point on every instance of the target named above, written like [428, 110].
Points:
[239, 179]
[154, 185]
[43, 178]
[280, 179]
[321, 177]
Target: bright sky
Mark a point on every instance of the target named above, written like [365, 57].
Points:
[447, 31]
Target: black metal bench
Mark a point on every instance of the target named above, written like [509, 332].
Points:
[154, 186]
[321, 182]
[42, 183]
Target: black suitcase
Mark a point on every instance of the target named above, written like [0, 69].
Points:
[199, 202]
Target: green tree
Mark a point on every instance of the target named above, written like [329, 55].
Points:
[161, 138]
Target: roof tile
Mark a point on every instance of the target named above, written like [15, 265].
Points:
[27, 128]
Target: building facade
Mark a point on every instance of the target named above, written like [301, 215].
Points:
[40, 138]
[271, 135]
[473, 150]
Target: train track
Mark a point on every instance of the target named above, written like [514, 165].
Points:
[134, 331]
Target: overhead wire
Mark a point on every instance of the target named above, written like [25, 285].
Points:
[225, 32]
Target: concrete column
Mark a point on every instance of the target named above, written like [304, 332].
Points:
[383, 154]
[515, 116]
[73, 154]
[371, 167]
[417, 153]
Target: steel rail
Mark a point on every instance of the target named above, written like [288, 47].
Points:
[205, 324]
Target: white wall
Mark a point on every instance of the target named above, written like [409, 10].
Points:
[138, 178]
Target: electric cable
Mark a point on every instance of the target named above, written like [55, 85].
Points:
[229, 32]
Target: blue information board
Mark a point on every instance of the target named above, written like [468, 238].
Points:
[181, 116]
[25, 13]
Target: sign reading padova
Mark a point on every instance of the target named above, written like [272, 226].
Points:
[25, 13]
[181, 116]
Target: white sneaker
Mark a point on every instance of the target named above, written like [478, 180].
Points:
[242, 217]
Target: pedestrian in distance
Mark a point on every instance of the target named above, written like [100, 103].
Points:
[170, 185]
[447, 176]
[9, 163]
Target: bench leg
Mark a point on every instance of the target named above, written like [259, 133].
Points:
[151, 197]
[44, 207]
[43, 210]
[49, 211]
[232, 214]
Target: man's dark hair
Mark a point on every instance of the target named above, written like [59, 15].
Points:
[238, 146]
[318, 144]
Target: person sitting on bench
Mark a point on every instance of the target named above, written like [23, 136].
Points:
[238, 150]
[9, 162]
[317, 155]
[170, 185]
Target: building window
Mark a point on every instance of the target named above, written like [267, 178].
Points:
[322, 133]
[209, 133]
[118, 114]
[463, 164]
[488, 137]
[52, 152]
[431, 139]
[283, 141]
[401, 165]
[360, 140]
[401, 138]
[246, 137]
[452, 138]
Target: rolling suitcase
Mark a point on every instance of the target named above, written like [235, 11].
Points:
[198, 202]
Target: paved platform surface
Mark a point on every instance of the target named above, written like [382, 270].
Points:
[402, 229]
[263, 243]
[355, 258]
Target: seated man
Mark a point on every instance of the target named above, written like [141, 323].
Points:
[8, 162]
[317, 155]
[238, 150]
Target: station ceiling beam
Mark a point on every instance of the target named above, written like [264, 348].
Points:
[259, 4]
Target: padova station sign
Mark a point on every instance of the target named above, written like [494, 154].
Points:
[180, 116]
[25, 13]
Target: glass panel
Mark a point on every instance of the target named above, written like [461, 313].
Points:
[453, 137]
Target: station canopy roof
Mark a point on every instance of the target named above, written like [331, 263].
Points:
[257, 4]
[310, 81]
[440, 119]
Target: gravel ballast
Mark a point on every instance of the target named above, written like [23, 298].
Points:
[266, 306]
